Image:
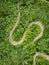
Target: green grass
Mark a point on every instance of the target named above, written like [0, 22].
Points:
[30, 10]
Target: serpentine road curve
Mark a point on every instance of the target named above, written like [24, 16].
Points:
[24, 35]
[17, 22]
[42, 55]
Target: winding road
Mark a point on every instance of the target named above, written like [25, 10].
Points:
[42, 55]
[24, 35]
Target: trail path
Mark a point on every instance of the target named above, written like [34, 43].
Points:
[42, 55]
[24, 35]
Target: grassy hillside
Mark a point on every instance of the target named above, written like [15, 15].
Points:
[30, 10]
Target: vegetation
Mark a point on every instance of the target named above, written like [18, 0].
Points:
[30, 10]
[43, 62]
